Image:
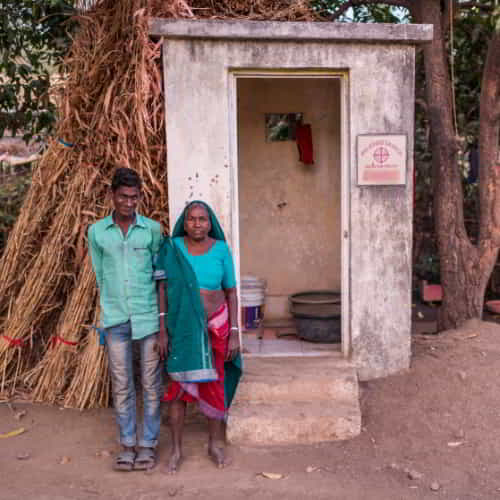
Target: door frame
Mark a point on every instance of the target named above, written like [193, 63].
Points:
[345, 175]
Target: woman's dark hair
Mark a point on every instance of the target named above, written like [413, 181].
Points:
[125, 177]
[195, 204]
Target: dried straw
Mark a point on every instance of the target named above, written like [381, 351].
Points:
[112, 114]
[40, 299]
[52, 375]
[91, 385]
[24, 240]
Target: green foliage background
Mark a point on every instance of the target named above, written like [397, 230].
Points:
[34, 36]
[12, 191]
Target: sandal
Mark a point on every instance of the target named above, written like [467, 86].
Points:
[146, 459]
[125, 461]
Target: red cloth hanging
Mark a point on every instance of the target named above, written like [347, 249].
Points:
[304, 143]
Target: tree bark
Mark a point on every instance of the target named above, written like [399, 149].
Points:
[489, 128]
[489, 161]
[465, 268]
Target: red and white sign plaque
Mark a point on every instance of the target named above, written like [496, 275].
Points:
[381, 160]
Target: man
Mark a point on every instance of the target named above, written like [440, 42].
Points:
[122, 247]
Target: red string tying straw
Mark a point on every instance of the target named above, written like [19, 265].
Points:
[14, 342]
[55, 339]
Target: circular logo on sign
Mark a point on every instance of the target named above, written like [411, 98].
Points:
[381, 155]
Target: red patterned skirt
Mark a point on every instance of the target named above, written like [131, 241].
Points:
[209, 395]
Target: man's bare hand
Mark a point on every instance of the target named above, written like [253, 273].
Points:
[162, 343]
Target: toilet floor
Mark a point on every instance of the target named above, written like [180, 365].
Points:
[279, 338]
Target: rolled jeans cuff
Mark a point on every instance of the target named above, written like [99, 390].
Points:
[128, 442]
[148, 444]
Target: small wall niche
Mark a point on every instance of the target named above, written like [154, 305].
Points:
[282, 126]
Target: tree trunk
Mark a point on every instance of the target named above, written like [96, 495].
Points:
[465, 268]
[489, 159]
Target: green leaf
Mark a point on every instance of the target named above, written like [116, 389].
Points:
[34, 36]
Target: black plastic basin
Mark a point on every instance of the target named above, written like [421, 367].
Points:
[317, 315]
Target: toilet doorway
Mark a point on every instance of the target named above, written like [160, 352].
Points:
[291, 203]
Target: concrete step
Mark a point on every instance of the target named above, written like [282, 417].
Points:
[329, 378]
[295, 400]
[297, 422]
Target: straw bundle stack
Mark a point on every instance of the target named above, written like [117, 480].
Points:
[90, 386]
[51, 375]
[111, 115]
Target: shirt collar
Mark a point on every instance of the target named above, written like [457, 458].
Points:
[139, 221]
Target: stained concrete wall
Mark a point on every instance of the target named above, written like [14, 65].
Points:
[379, 99]
[289, 212]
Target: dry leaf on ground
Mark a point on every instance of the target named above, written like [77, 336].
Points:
[272, 475]
[13, 433]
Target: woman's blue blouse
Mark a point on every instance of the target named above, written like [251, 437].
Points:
[214, 269]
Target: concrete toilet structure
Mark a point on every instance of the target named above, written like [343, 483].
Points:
[235, 93]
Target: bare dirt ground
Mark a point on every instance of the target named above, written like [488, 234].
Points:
[432, 432]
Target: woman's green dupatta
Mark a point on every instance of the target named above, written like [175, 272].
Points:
[190, 353]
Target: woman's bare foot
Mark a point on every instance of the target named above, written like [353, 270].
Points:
[218, 456]
[174, 462]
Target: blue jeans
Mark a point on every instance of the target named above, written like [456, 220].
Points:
[119, 342]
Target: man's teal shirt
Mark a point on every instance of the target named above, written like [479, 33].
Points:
[123, 267]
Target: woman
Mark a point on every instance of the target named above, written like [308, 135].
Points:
[203, 335]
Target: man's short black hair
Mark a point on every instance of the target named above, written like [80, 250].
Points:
[125, 177]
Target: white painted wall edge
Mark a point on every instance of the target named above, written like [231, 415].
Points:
[273, 30]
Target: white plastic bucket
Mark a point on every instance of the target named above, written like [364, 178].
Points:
[253, 291]
[253, 298]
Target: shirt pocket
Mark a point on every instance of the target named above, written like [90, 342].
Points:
[142, 261]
